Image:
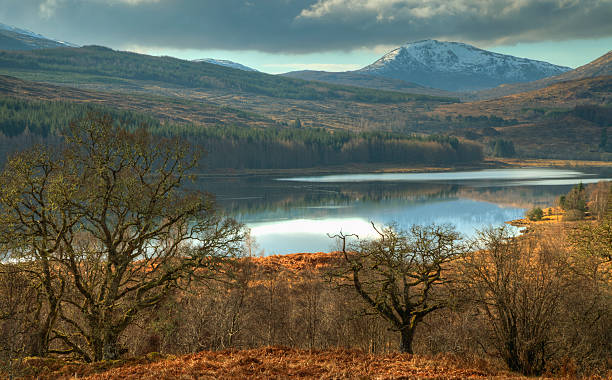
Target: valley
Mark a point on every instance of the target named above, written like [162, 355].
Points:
[194, 217]
[544, 118]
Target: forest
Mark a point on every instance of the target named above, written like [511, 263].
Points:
[23, 122]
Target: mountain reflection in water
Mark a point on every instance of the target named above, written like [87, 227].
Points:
[288, 215]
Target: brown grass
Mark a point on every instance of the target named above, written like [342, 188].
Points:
[297, 262]
[286, 363]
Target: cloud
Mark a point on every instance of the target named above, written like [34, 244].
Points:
[46, 8]
[306, 26]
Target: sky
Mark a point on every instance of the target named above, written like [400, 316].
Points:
[277, 36]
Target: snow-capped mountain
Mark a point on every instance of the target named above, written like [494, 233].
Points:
[226, 63]
[12, 38]
[456, 66]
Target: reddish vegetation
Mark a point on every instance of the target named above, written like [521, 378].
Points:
[297, 262]
[285, 363]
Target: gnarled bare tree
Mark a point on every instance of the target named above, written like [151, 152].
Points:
[398, 273]
[111, 228]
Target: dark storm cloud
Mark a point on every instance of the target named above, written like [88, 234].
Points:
[300, 26]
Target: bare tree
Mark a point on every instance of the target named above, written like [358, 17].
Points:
[19, 307]
[110, 221]
[519, 285]
[398, 274]
[33, 222]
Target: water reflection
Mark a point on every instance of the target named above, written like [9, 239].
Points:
[287, 215]
[309, 233]
[490, 174]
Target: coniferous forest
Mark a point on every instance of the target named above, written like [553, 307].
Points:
[23, 122]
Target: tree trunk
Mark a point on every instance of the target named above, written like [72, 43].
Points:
[407, 334]
[105, 345]
[110, 347]
[40, 345]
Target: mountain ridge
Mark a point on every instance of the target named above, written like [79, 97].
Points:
[13, 38]
[601, 66]
[226, 63]
[435, 68]
[101, 64]
[456, 66]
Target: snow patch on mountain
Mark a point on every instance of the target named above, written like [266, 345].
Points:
[35, 40]
[457, 66]
[226, 63]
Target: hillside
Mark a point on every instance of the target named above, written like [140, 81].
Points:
[100, 65]
[226, 63]
[455, 66]
[162, 108]
[602, 66]
[232, 138]
[204, 108]
[565, 119]
[282, 100]
[352, 78]
[12, 38]
[560, 95]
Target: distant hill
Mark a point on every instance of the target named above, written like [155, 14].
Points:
[96, 64]
[602, 66]
[455, 66]
[352, 78]
[167, 109]
[226, 63]
[12, 38]
[570, 119]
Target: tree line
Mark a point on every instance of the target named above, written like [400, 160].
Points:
[240, 147]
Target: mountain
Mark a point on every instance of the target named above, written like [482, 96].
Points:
[12, 38]
[352, 78]
[104, 66]
[455, 66]
[226, 63]
[602, 66]
[280, 99]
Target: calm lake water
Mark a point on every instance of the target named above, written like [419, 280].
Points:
[295, 214]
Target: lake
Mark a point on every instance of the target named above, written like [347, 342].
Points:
[295, 214]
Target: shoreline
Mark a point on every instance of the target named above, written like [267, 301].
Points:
[488, 163]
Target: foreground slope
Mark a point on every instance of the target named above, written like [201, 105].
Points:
[281, 363]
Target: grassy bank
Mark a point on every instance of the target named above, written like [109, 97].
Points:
[276, 363]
